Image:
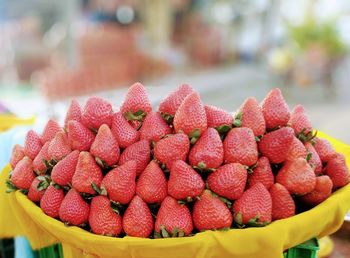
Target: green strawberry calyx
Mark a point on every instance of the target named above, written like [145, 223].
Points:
[138, 115]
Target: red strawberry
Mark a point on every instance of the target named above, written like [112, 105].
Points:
[322, 191]
[136, 124]
[152, 185]
[59, 147]
[184, 181]
[275, 109]
[86, 174]
[105, 147]
[240, 147]
[262, 173]
[315, 160]
[209, 212]
[103, 220]
[228, 181]
[283, 205]
[74, 210]
[296, 150]
[73, 112]
[297, 176]
[80, 138]
[190, 117]
[41, 160]
[208, 151]
[299, 121]
[218, 118]
[50, 130]
[254, 207]
[97, 112]
[17, 155]
[252, 117]
[22, 176]
[119, 183]
[172, 148]
[32, 144]
[337, 170]
[140, 152]
[275, 145]
[62, 173]
[324, 149]
[37, 189]
[136, 103]
[123, 131]
[51, 201]
[137, 219]
[173, 217]
[154, 127]
[172, 102]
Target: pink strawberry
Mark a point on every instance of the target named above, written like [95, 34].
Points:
[218, 118]
[87, 174]
[32, 144]
[208, 151]
[276, 144]
[275, 109]
[283, 205]
[97, 112]
[40, 163]
[228, 181]
[137, 219]
[105, 147]
[240, 147]
[154, 127]
[209, 212]
[37, 189]
[184, 181]
[140, 152]
[59, 147]
[22, 176]
[62, 173]
[50, 130]
[73, 112]
[322, 191]
[324, 149]
[51, 201]
[74, 210]
[254, 207]
[172, 148]
[152, 185]
[17, 155]
[297, 176]
[119, 183]
[123, 131]
[337, 170]
[80, 138]
[299, 121]
[262, 173]
[296, 150]
[315, 160]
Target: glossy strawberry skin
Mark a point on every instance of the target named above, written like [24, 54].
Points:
[172, 102]
[17, 155]
[32, 144]
[217, 117]
[59, 147]
[39, 165]
[154, 127]
[97, 112]
[62, 173]
[34, 194]
[299, 121]
[51, 201]
[296, 150]
[337, 170]
[252, 116]
[50, 130]
[80, 138]
[283, 205]
[73, 112]
[324, 149]
[262, 173]
[315, 160]
[136, 100]
[322, 191]
[22, 176]
[123, 131]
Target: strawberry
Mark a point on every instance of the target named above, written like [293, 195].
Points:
[299, 121]
[140, 152]
[123, 131]
[190, 118]
[172, 148]
[87, 174]
[32, 144]
[22, 176]
[208, 151]
[337, 170]
[62, 173]
[283, 205]
[254, 207]
[297, 176]
[152, 185]
[37, 189]
[314, 160]
[251, 116]
[73, 112]
[228, 181]
[136, 124]
[275, 109]
[296, 150]
[173, 219]
[103, 220]
[105, 147]
[136, 103]
[154, 127]
[59, 147]
[50, 130]
[262, 173]
[74, 210]
[80, 138]
[119, 183]
[137, 219]
[240, 147]
[51, 201]
[209, 212]
[275, 145]
[184, 181]
[41, 161]
[322, 191]
[218, 118]
[324, 149]
[17, 155]
[97, 112]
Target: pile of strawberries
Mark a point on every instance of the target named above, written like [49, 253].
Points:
[185, 168]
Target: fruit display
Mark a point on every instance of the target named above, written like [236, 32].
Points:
[179, 170]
